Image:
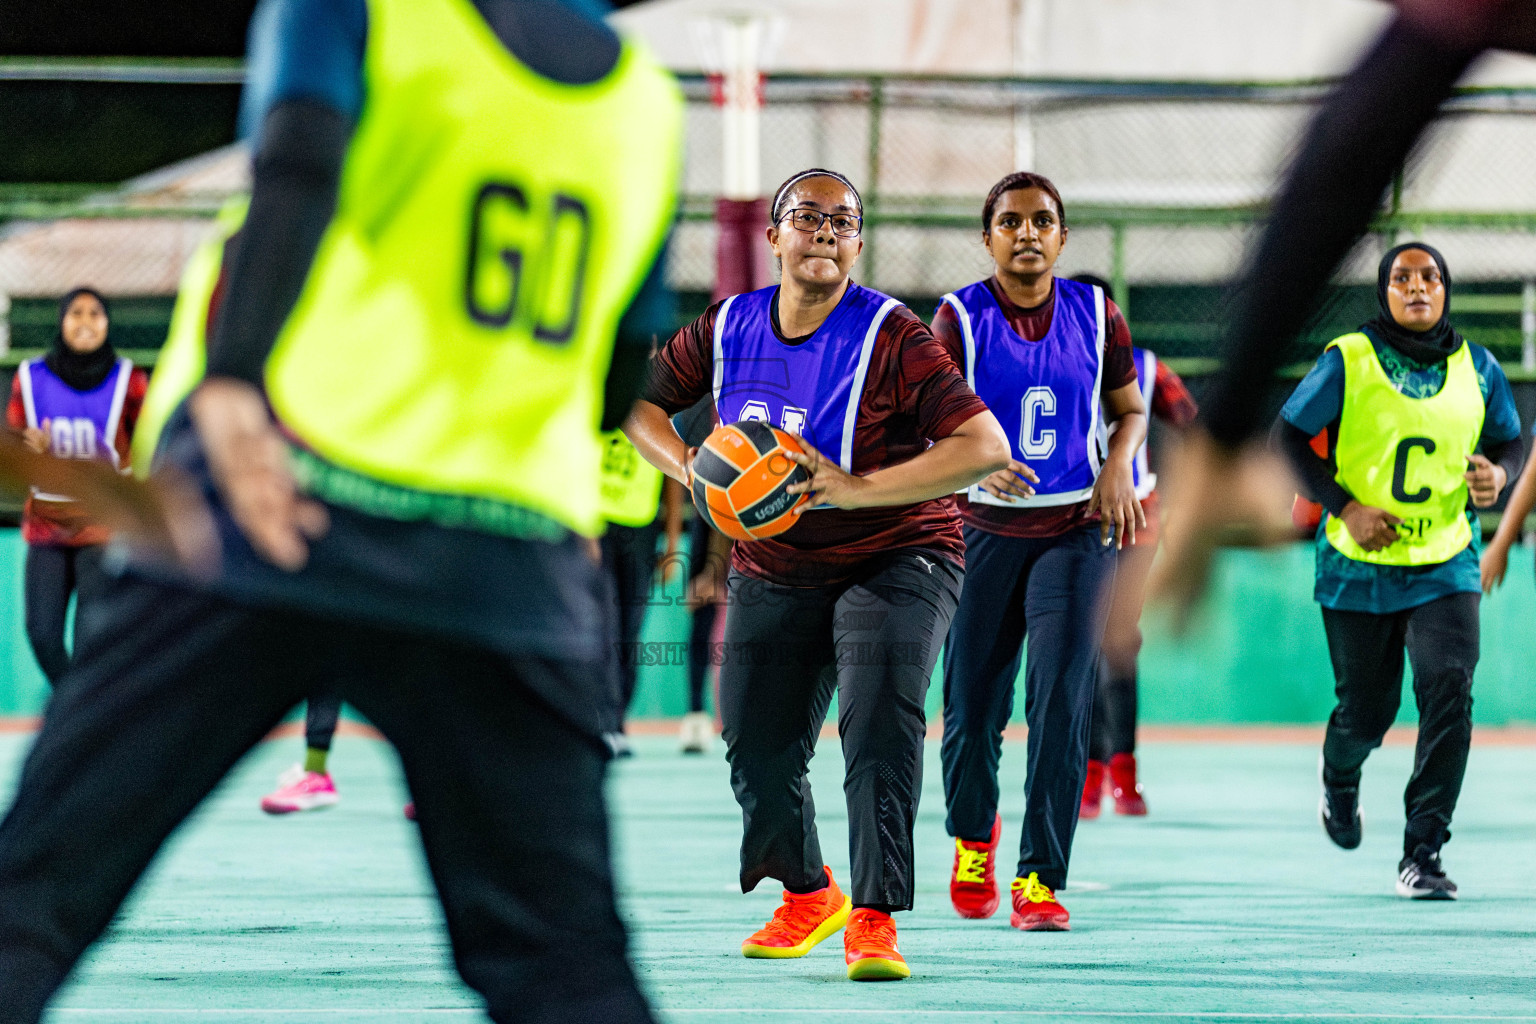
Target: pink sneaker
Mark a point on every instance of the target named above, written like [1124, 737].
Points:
[298, 790]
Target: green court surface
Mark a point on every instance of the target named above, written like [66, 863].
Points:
[1226, 904]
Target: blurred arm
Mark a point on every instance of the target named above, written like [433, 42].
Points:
[1354, 146]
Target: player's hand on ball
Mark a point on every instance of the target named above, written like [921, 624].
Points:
[1372, 528]
[249, 464]
[1114, 497]
[828, 484]
[1011, 484]
[1493, 565]
[1485, 480]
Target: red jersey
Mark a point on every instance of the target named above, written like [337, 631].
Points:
[914, 394]
[1171, 401]
[59, 522]
[1032, 325]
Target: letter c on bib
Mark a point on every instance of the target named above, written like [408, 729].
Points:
[1400, 470]
[1038, 401]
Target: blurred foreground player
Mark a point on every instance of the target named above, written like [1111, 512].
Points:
[1407, 405]
[181, 366]
[1223, 485]
[429, 286]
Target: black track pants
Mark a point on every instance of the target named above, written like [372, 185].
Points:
[321, 715]
[179, 686]
[629, 559]
[873, 640]
[1052, 591]
[1441, 641]
[52, 574]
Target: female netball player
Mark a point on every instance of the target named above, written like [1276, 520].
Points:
[80, 401]
[1112, 742]
[1406, 403]
[1040, 540]
[418, 520]
[1356, 143]
[854, 597]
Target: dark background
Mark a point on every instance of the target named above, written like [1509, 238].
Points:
[106, 132]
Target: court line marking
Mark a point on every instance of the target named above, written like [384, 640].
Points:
[888, 1012]
[1110, 1014]
[841, 1010]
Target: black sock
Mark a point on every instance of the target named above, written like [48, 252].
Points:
[884, 908]
[801, 888]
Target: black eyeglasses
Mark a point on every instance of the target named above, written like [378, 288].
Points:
[844, 225]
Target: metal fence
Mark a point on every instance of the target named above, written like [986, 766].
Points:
[1164, 183]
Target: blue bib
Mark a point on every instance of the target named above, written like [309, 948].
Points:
[811, 389]
[81, 424]
[1045, 393]
[1146, 379]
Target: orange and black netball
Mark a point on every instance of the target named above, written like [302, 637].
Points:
[741, 478]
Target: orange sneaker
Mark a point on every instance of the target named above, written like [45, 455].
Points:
[1093, 791]
[972, 881]
[801, 921]
[869, 946]
[1035, 908]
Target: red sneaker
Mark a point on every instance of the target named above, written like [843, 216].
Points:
[1093, 791]
[1124, 787]
[801, 921]
[869, 946]
[973, 881]
[1035, 908]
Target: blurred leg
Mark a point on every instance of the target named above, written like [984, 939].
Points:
[176, 690]
[509, 797]
[49, 580]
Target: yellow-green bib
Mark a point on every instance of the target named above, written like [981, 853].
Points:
[491, 229]
[631, 486]
[1407, 455]
[184, 356]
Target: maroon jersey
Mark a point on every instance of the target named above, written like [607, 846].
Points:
[1171, 401]
[1032, 325]
[60, 523]
[913, 395]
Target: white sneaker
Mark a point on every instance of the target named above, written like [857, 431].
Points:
[697, 733]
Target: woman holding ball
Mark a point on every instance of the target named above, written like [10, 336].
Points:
[857, 595]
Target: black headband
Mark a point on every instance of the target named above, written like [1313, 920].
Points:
[814, 172]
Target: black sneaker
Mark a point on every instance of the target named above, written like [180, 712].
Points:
[1339, 811]
[1420, 876]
